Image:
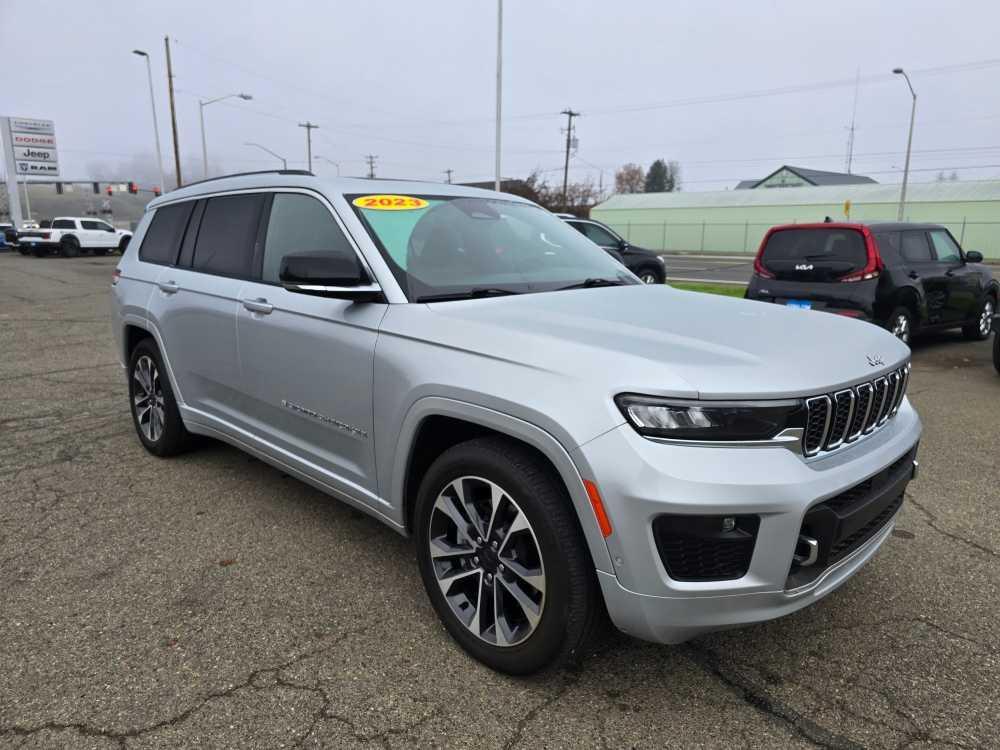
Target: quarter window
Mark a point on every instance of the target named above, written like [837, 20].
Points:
[915, 248]
[300, 224]
[163, 238]
[63, 224]
[945, 248]
[226, 236]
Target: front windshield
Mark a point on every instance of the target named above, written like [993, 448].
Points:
[439, 246]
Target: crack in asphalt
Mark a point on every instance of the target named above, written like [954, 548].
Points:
[568, 682]
[931, 520]
[121, 737]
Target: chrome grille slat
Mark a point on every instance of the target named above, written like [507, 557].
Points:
[833, 420]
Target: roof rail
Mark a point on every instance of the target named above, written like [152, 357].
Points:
[301, 172]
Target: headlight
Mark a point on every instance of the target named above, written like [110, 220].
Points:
[681, 419]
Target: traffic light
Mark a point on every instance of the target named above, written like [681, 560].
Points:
[133, 188]
[156, 192]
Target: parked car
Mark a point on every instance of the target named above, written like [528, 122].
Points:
[8, 235]
[996, 346]
[645, 264]
[559, 439]
[69, 236]
[906, 277]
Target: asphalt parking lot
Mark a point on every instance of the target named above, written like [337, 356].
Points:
[209, 601]
[727, 269]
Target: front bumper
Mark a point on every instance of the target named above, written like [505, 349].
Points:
[640, 479]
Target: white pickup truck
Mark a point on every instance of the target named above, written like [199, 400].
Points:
[69, 236]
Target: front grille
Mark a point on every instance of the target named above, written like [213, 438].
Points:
[841, 524]
[701, 548]
[842, 417]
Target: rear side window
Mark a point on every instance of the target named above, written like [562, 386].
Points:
[163, 238]
[915, 248]
[63, 224]
[300, 224]
[888, 247]
[227, 234]
[844, 248]
[90, 225]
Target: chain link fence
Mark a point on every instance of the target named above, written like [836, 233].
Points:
[743, 238]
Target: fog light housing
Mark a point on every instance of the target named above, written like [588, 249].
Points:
[705, 548]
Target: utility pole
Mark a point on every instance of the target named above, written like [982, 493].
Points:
[570, 114]
[371, 165]
[909, 143]
[496, 178]
[173, 113]
[854, 115]
[448, 172]
[309, 141]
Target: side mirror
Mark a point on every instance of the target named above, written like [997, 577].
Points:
[973, 256]
[326, 274]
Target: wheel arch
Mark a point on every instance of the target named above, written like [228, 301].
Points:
[434, 424]
[135, 330]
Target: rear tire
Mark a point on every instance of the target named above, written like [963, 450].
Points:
[23, 250]
[900, 324]
[69, 248]
[979, 329]
[40, 252]
[536, 590]
[151, 399]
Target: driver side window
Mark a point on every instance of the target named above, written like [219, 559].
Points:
[300, 224]
[599, 236]
[945, 248]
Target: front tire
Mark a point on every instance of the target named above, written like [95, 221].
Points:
[900, 324]
[979, 329]
[154, 410]
[996, 351]
[650, 275]
[502, 557]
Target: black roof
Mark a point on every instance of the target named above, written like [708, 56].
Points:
[812, 176]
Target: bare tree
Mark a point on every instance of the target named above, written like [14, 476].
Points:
[630, 179]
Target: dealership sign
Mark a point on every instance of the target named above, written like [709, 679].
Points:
[32, 146]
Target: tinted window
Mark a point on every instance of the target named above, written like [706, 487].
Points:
[226, 236]
[844, 247]
[91, 225]
[104, 227]
[915, 248]
[164, 234]
[945, 248]
[300, 224]
[888, 247]
[64, 224]
[598, 235]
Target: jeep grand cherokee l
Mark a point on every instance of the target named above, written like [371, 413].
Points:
[558, 438]
[905, 277]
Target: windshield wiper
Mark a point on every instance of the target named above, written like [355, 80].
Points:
[588, 283]
[482, 291]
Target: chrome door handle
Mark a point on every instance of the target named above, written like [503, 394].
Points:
[168, 287]
[259, 305]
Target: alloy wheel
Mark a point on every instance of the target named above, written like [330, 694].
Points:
[901, 328]
[647, 278]
[487, 561]
[986, 319]
[147, 396]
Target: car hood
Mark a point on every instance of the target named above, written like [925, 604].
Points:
[658, 340]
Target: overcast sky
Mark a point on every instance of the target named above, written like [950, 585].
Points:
[413, 83]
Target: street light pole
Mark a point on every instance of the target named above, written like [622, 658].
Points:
[317, 157]
[284, 162]
[909, 143]
[156, 127]
[496, 179]
[201, 112]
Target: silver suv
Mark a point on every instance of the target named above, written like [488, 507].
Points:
[559, 439]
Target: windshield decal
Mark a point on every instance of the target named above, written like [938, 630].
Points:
[390, 202]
